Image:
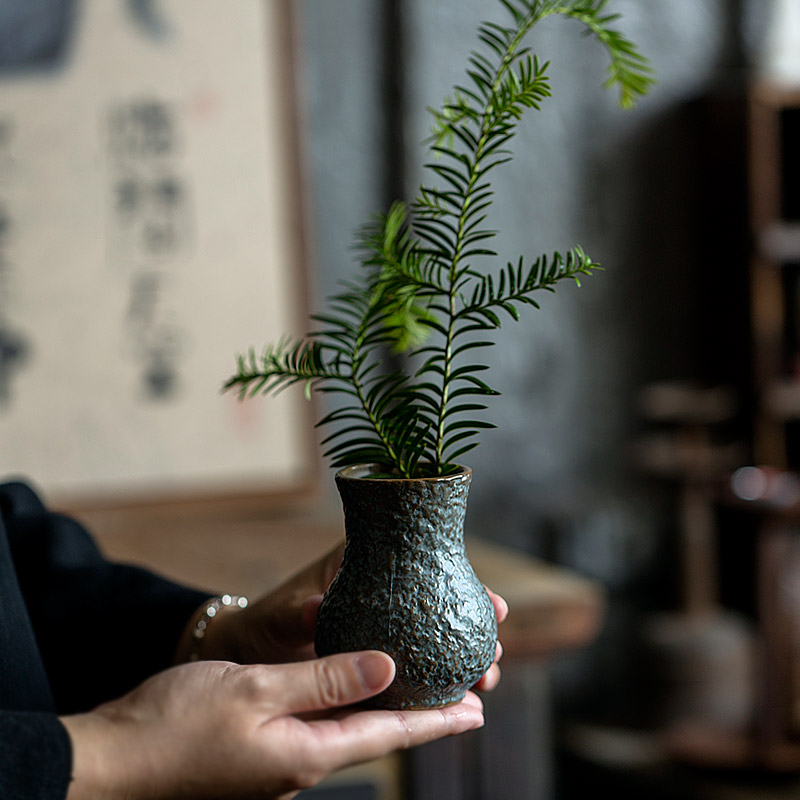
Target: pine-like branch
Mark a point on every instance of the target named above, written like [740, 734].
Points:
[419, 289]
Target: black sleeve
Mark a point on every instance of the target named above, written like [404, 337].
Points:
[35, 758]
[102, 628]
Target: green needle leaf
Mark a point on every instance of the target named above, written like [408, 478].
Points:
[394, 344]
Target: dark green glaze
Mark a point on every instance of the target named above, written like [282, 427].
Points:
[407, 588]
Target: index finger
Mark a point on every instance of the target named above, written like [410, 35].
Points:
[359, 735]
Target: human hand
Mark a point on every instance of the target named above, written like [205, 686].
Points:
[279, 627]
[491, 677]
[224, 731]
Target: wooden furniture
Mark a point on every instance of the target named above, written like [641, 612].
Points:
[701, 654]
[763, 503]
[774, 178]
[755, 503]
[552, 610]
[774, 515]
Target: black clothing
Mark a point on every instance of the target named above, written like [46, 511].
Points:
[35, 756]
[75, 631]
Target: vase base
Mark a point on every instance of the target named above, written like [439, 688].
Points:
[396, 701]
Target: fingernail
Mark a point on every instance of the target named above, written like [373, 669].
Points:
[374, 669]
[480, 721]
[472, 716]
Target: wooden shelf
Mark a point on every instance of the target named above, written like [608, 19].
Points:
[776, 240]
[686, 446]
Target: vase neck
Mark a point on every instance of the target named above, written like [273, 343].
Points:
[405, 513]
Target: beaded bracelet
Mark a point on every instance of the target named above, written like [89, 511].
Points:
[210, 611]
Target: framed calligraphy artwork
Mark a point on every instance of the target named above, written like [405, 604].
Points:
[151, 228]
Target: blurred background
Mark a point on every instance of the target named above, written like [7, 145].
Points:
[648, 419]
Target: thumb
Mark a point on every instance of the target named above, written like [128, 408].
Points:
[332, 681]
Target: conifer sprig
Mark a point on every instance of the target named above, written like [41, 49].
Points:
[421, 290]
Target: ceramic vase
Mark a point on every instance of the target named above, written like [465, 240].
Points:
[406, 587]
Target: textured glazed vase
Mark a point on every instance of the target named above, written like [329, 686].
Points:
[407, 588]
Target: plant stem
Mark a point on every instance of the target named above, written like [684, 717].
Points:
[395, 457]
[373, 420]
[487, 120]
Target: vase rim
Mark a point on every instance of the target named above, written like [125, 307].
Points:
[367, 472]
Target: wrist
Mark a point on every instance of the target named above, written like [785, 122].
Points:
[212, 633]
[102, 765]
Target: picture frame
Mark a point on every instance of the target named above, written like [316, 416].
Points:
[152, 226]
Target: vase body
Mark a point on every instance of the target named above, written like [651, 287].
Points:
[407, 588]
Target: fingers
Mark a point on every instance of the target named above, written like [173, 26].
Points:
[330, 682]
[308, 614]
[500, 605]
[279, 627]
[489, 679]
[312, 583]
[365, 735]
[471, 699]
[316, 577]
[309, 749]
